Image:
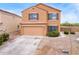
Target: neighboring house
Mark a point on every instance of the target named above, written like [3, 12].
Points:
[39, 20]
[8, 21]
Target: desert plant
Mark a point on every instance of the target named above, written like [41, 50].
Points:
[53, 34]
[66, 32]
[1, 40]
[72, 32]
[5, 36]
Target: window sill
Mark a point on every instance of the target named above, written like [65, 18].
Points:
[52, 20]
[33, 20]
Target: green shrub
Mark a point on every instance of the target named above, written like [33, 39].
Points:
[1, 40]
[53, 34]
[5, 36]
[72, 32]
[66, 32]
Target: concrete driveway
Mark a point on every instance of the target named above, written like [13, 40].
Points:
[22, 45]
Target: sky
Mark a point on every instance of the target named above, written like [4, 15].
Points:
[69, 11]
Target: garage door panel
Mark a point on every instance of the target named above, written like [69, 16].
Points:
[34, 30]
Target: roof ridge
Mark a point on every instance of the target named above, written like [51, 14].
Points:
[41, 8]
[35, 7]
[47, 6]
[10, 12]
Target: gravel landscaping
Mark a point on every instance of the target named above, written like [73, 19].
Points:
[59, 46]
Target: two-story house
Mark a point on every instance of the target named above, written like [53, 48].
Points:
[39, 20]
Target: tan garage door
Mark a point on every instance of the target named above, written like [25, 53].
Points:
[34, 30]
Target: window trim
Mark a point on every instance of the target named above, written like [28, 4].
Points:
[52, 29]
[33, 19]
[53, 19]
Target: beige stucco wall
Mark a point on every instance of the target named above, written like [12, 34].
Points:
[41, 17]
[9, 21]
[52, 10]
[40, 29]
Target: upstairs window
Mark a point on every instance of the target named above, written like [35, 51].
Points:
[33, 16]
[52, 16]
